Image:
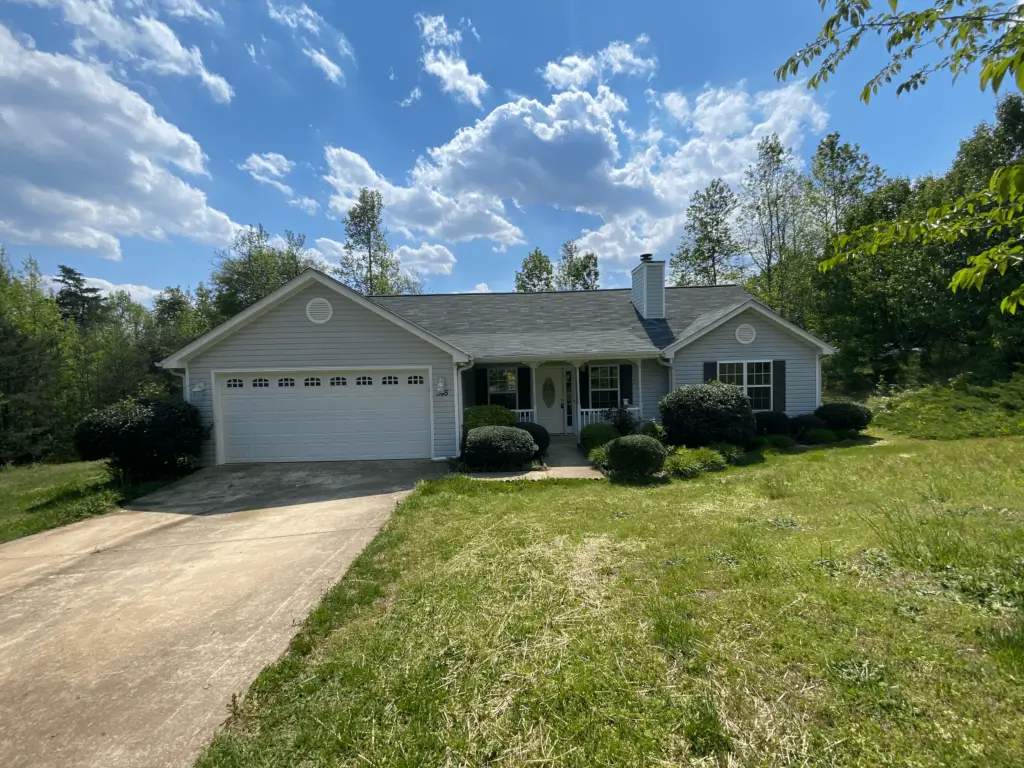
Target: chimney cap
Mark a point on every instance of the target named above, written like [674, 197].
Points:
[647, 258]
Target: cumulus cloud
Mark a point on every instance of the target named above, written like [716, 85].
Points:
[322, 62]
[269, 168]
[305, 204]
[441, 59]
[480, 288]
[619, 58]
[676, 105]
[88, 161]
[142, 41]
[331, 250]
[426, 260]
[414, 95]
[303, 20]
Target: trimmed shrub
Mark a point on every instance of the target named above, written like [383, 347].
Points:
[655, 430]
[732, 454]
[771, 423]
[498, 448]
[635, 456]
[798, 425]
[844, 416]
[709, 459]
[683, 464]
[599, 458]
[143, 438]
[846, 434]
[781, 442]
[540, 436]
[819, 437]
[622, 419]
[488, 416]
[595, 435]
[700, 414]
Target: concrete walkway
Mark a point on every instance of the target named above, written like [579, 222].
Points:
[124, 637]
[565, 459]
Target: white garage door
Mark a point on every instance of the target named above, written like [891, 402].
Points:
[324, 415]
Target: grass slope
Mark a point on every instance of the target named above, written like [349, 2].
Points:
[854, 606]
[43, 496]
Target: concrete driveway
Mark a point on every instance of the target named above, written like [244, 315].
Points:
[123, 638]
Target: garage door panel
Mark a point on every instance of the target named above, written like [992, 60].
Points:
[325, 423]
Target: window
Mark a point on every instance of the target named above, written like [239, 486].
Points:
[338, 381]
[363, 381]
[415, 379]
[604, 386]
[286, 382]
[260, 383]
[312, 381]
[388, 381]
[501, 387]
[754, 378]
[235, 384]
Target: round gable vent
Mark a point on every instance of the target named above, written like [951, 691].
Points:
[745, 333]
[319, 310]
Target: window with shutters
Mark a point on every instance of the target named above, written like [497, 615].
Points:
[753, 377]
[389, 381]
[415, 379]
[502, 387]
[604, 386]
[312, 381]
[286, 382]
[363, 381]
[235, 384]
[338, 381]
[260, 383]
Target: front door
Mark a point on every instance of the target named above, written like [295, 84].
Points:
[551, 398]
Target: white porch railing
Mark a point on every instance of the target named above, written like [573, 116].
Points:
[590, 416]
[523, 414]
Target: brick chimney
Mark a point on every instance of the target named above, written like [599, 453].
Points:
[649, 287]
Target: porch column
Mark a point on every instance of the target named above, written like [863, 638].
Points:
[533, 388]
[640, 387]
[576, 365]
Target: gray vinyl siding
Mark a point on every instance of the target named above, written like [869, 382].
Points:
[353, 337]
[655, 290]
[655, 387]
[772, 343]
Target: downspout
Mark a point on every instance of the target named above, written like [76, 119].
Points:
[184, 383]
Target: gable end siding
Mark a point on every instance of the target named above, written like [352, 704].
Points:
[284, 337]
[772, 343]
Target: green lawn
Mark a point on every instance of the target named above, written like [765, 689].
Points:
[847, 606]
[43, 496]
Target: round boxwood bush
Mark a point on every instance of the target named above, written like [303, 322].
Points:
[598, 458]
[635, 456]
[771, 423]
[655, 430]
[498, 448]
[819, 437]
[143, 438]
[595, 435]
[801, 424]
[488, 416]
[700, 414]
[540, 436]
[844, 416]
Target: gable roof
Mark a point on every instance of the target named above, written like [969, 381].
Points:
[565, 324]
[309, 276]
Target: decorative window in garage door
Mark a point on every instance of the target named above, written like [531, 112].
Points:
[338, 381]
[260, 383]
[415, 379]
[363, 381]
[389, 381]
[286, 382]
[312, 381]
[235, 384]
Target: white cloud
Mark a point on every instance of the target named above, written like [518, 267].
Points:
[414, 95]
[142, 41]
[435, 32]
[269, 168]
[426, 260]
[191, 9]
[88, 161]
[722, 111]
[391, 74]
[576, 71]
[331, 250]
[455, 76]
[305, 204]
[480, 288]
[251, 49]
[676, 105]
[296, 17]
[143, 294]
[467, 24]
[320, 60]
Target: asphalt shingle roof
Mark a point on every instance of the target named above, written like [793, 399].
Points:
[561, 325]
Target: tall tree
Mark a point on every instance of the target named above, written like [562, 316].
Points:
[840, 177]
[951, 36]
[78, 303]
[368, 265]
[537, 274]
[708, 252]
[576, 271]
[254, 266]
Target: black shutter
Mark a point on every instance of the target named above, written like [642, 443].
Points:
[710, 371]
[584, 389]
[523, 383]
[778, 385]
[626, 384]
[480, 390]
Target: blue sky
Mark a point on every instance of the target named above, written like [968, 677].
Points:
[136, 135]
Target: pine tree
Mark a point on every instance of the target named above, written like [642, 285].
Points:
[369, 266]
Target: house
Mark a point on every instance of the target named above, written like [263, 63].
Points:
[317, 372]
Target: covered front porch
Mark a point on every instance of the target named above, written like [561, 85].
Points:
[563, 396]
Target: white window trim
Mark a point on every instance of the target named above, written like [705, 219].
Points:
[617, 389]
[515, 373]
[745, 363]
